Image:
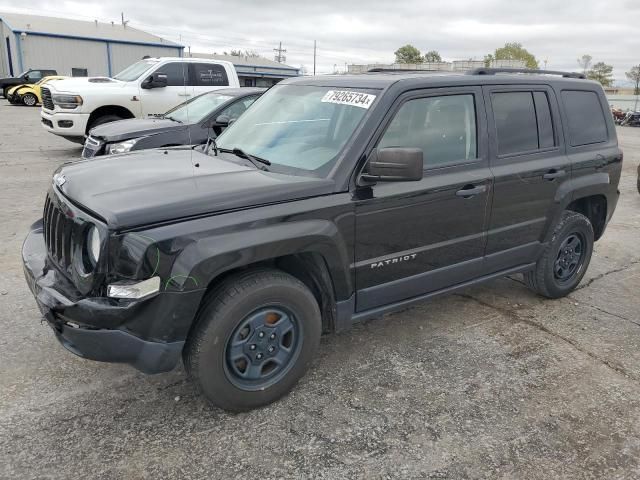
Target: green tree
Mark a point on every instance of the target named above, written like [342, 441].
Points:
[432, 56]
[512, 51]
[634, 76]
[601, 72]
[408, 54]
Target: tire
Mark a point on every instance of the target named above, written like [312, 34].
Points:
[104, 119]
[29, 100]
[565, 260]
[252, 314]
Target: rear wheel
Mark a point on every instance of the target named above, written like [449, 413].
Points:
[29, 99]
[255, 338]
[565, 260]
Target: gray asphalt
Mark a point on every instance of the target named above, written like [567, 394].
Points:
[493, 382]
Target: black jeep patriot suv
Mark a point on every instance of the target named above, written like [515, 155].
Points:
[332, 200]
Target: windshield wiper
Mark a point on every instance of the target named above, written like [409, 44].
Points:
[238, 152]
[169, 117]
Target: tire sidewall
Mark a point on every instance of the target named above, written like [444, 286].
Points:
[575, 224]
[222, 322]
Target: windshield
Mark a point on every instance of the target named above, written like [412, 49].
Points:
[197, 108]
[299, 127]
[133, 72]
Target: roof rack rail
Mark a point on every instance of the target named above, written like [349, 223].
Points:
[384, 69]
[493, 71]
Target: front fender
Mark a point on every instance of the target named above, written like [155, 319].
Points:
[205, 259]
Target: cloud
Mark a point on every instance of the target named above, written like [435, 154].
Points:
[370, 31]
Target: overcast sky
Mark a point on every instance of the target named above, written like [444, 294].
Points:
[369, 31]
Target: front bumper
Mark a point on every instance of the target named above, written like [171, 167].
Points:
[75, 321]
[65, 124]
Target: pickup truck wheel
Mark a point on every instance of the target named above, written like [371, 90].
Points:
[254, 339]
[104, 119]
[29, 99]
[565, 260]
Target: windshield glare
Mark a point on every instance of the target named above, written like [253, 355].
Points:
[133, 72]
[197, 108]
[303, 128]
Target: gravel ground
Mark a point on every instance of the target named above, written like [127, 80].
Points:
[493, 382]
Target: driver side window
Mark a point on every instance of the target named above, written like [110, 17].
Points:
[443, 127]
[238, 108]
[176, 73]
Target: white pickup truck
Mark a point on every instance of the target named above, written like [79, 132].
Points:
[148, 88]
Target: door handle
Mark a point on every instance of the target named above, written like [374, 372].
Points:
[553, 174]
[471, 190]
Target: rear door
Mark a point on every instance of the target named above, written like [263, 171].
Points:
[417, 237]
[157, 101]
[529, 164]
[208, 76]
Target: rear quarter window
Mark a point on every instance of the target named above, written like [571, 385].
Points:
[586, 121]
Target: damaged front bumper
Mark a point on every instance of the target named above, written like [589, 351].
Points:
[140, 333]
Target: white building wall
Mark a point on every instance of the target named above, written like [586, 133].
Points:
[123, 55]
[63, 54]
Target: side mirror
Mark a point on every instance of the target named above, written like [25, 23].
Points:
[155, 80]
[395, 164]
[222, 121]
[26, 78]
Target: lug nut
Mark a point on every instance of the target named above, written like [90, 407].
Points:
[259, 356]
[261, 334]
[271, 349]
[273, 335]
[252, 347]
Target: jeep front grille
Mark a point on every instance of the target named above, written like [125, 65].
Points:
[47, 100]
[58, 228]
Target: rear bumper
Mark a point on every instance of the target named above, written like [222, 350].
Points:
[81, 324]
[65, 124]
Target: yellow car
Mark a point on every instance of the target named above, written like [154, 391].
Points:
[29, 95]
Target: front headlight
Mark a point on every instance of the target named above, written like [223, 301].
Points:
[68, 102]
[122, 147]
[93, 245]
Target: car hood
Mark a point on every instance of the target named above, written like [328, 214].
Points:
[85, 84]
[133, 128]
[151, 186]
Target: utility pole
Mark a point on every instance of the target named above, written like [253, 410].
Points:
[279, 57]
[314, 57]
[124, 22]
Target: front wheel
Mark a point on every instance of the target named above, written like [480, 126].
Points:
[29, 99]
[254, 339]
[565, 260]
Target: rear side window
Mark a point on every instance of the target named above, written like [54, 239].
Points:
[210, 75]
[523, 122]
[443, 127]
[176, 73]
[546, 137]
[587, 124]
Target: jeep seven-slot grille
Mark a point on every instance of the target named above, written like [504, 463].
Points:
[47, 101]
[57, 234]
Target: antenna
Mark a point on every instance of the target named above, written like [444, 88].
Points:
[124, 22]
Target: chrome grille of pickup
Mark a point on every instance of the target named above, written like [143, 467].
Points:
[47, 100]
[57, 234]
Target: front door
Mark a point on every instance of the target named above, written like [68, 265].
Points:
[157, 101]
[413, 238]
[529, 164]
